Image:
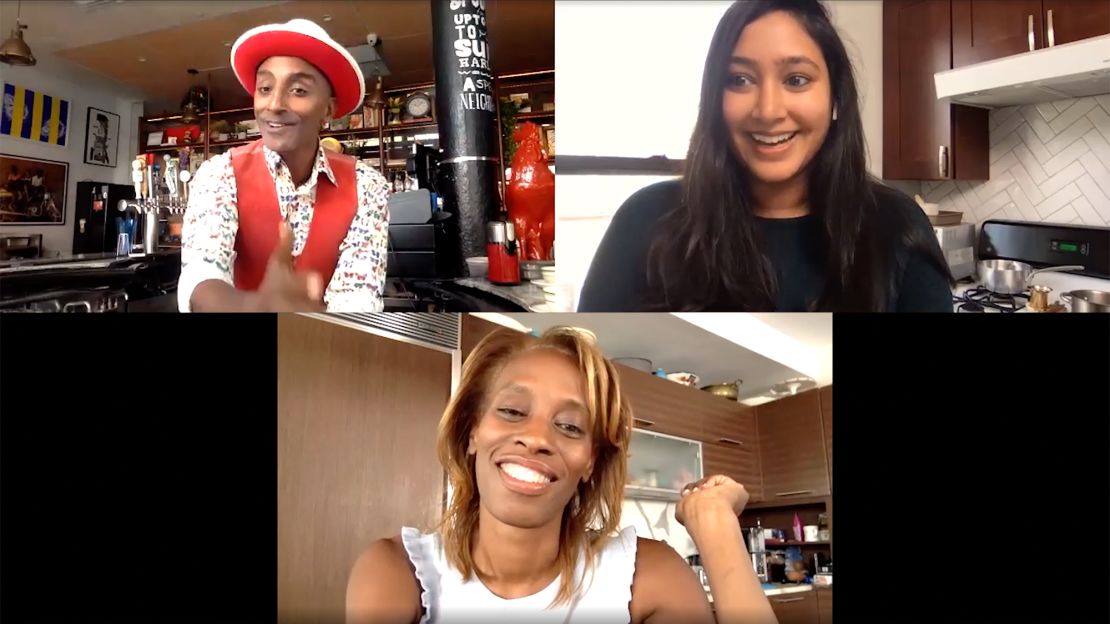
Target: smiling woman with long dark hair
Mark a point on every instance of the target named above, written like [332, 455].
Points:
[776, 210]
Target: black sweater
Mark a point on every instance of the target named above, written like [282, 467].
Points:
[617, 280]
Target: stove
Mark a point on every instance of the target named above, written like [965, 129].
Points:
[970, 296]
[1039, 245]
[979, 298]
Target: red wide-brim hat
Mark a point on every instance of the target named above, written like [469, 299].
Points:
[305, 40]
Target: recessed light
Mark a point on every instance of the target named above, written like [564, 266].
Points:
[326, 18]
[227, 44]
[142, 59]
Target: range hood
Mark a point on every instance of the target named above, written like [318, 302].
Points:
[1070, 70]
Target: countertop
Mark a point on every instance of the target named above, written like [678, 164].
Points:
[779, 589]
[525, 294]
[79, 261]
[32, 282]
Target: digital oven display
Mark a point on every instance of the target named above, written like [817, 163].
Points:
[1070, 247]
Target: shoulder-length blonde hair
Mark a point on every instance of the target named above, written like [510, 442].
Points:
[594, 513]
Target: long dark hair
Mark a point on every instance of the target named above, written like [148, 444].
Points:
[708, 254]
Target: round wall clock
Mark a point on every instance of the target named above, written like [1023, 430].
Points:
[418, 105]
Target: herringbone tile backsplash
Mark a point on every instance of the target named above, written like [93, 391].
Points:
[1049, 162]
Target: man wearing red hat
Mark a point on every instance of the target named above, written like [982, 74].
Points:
[282, 225]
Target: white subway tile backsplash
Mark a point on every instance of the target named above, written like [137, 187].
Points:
[1003, 164]
[1087, 213]
[1058, 200]
[1065, 119]
[1005, 130]
[1062, 105]
[1097, 194]
[1026, 184]
[1098, 172]
[1025, 207]
[1103, 101]
[1067, 214]
[1067, 156]
[940, 192]
[1034, 143]
[1049, 162]
[1099, 147]
[1037, 123]
[1032, 165]
[1063, 178]
[1070, 135]
[1047, 110]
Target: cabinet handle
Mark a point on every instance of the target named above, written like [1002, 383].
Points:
[942, 161]
[644, 422]
[782, 600]
[730, 441]
[795, 493]
[1030, 30]
[1051, 34]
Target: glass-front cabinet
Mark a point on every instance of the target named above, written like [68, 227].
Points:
[659, 465]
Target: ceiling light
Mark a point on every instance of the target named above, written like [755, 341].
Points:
[376, 98]
[14, 50]
[792, 386]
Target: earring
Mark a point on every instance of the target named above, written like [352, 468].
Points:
[834, 113]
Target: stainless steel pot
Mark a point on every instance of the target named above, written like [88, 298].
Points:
[1009, 277]
[1087, 300]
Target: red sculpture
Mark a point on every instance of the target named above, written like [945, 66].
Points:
[530, 196]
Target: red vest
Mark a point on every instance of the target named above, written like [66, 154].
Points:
[260, 216]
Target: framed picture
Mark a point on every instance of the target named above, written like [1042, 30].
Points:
[33, 192]
[23, 106]
[101, 138]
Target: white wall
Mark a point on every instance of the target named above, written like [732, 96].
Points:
[860, 23]
[83, 89]
[649, 70]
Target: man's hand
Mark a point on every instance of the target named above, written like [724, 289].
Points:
[284, 290]
[713, 492]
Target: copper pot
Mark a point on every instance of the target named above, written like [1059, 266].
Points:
[729, 391]
[1038, 298]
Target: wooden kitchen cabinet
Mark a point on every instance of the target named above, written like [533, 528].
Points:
[795, 608]
[824, 604]
[988, 29]
[1072, 20]
[983, 30]
[739, 462]
[357, 419]
[792, 447]
[925, 138]
[661, 405]
[826, 426]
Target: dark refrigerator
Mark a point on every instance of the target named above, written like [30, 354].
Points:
[94, 224]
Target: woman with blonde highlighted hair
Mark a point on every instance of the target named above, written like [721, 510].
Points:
[535, 445]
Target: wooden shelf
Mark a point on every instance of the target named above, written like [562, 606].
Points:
[794, 501]
[408, 125]
[358, 132]
[534, 115]
[236, 142]
[171, 148]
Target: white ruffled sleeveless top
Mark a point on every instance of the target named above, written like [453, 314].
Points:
[449, 599]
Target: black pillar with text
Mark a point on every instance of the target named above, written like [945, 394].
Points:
[466, 110]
